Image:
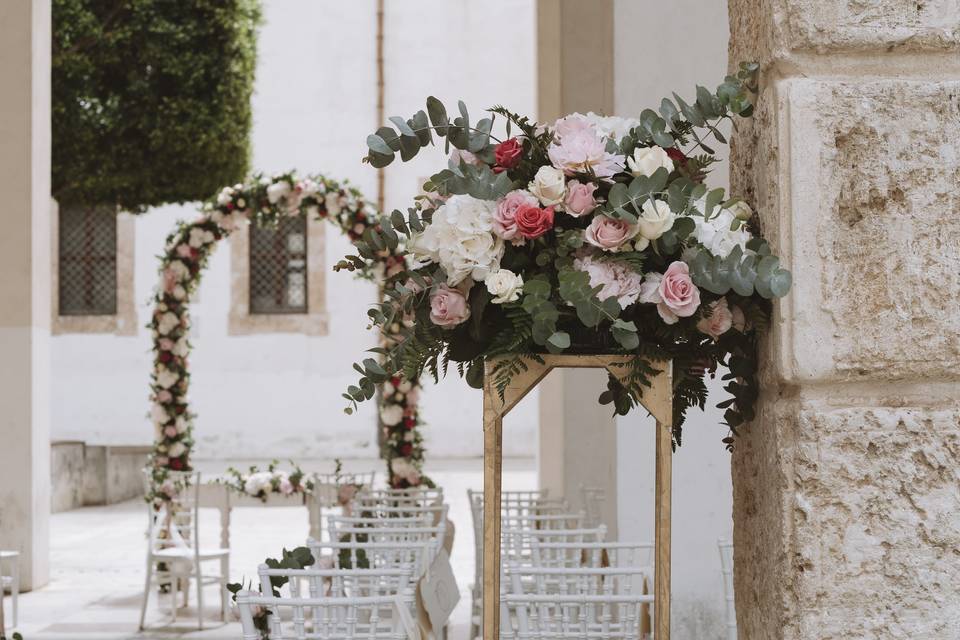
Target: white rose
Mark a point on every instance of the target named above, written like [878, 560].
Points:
[641, 244]
[332, 202]
[387, 388]
[549, 185]
[646, 161]
[225, 196]
[158, 414]
[179, 270]
[504, 285]
[181, 424]
[278, 190]
[178, 292]
[308, 188]
[167, 323]
[740, 210]
[404, 386]
[177, 449]
[391, 414]
[655, 219]
[166, 378]
[181, 348]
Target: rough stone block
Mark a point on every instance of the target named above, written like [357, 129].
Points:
[856, 183]
[775, 29]
[870, 526]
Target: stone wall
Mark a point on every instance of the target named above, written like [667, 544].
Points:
[846, 488]
[87, 475]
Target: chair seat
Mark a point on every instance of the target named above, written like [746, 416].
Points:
[185, 553]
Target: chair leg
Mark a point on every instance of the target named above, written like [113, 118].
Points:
[146, 592]
[224, 579]
[15, 588]
[199, 595]
[174, 587]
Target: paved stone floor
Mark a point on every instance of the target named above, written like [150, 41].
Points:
[97, 560]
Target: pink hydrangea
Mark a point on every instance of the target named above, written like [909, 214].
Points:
[618, 280]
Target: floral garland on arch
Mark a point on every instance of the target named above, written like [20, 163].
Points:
[587, 235]
[264, 200]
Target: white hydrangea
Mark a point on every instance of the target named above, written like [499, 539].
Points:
[613, 127]
[716, 234]
[460, 239]
[257, 482]
[391, 414]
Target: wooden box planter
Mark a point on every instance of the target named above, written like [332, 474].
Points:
[657, 399]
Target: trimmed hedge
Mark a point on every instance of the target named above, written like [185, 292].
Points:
[151, 99]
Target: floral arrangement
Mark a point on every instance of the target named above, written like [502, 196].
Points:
[262, 200]
[260, 484]
[587, 235]
[298, 558]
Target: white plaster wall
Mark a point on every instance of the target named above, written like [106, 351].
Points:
[279, 395]
[664, 47]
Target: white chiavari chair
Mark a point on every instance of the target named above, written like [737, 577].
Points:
[332, 490]
[174, 543]
[603, 603]
[342, 583]
[437, 512]
[517, 544]
[549, 521]
[593, 499]
[362, 618]
[726, 569]
[337, 523]
[417, 496]
[10, 580]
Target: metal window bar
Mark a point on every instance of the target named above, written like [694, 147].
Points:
[87, 252]
[278, 267]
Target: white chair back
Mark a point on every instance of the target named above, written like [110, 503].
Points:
[437, 513]
[517, 544]
[547, 522]
[365, 618]
[593, 499]
[325, 583]
[416, 496]
[363, 555]
[591, 554]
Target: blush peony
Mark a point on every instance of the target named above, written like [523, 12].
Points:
[618, 281]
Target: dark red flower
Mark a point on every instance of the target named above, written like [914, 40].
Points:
[409, 423]
[507, 154]
[165, 356]
[676, 155]
[176, 464]
[406, 449]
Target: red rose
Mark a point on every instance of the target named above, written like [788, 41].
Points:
[165, 356]
[176, 464]
[676, 155]
[507, 153]
[532, 221]
[409, 423]
[406, 449]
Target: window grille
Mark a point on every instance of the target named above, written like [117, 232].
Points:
[278, 267]
[87, 261]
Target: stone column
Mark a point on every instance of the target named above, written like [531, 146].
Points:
[846, 488]
[25, 285]
[578, 438]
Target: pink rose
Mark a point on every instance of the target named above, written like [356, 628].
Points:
[533, 222]
[184, 251]
[286, 487]
[609, 234]
[719, 321]
[448, 307]
[165, 344]
[170, 280]
[505, 217]
[579, 200]
[678, 293]
[164, 396]
[170, 431]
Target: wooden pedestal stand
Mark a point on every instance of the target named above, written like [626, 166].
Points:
[657, 399]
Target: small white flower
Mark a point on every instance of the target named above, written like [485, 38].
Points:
[646, 161]
[308, 188]
[716, 234]
[391, 414]
[178, 292]
[549, 186]
[181, 348]
[158, 414]
[181, 424]
[387, 388]
[180, 271]
[641, 244]
[655, 219]
[225, 196]
[504, 285]
[332, 202]
[404, 386]
[278, 190]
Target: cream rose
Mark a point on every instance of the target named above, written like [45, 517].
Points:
[646, 161]
[504, 285]
[549, 186]
[655, 219]
[278, 190]
[391, 414]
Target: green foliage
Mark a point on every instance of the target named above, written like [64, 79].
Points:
[151, 99]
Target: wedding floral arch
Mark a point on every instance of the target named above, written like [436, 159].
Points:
[264, 201]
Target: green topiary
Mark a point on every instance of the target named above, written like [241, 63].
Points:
[151, 99]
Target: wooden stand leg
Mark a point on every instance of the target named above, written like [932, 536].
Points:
[492, 468]
[662, 534]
